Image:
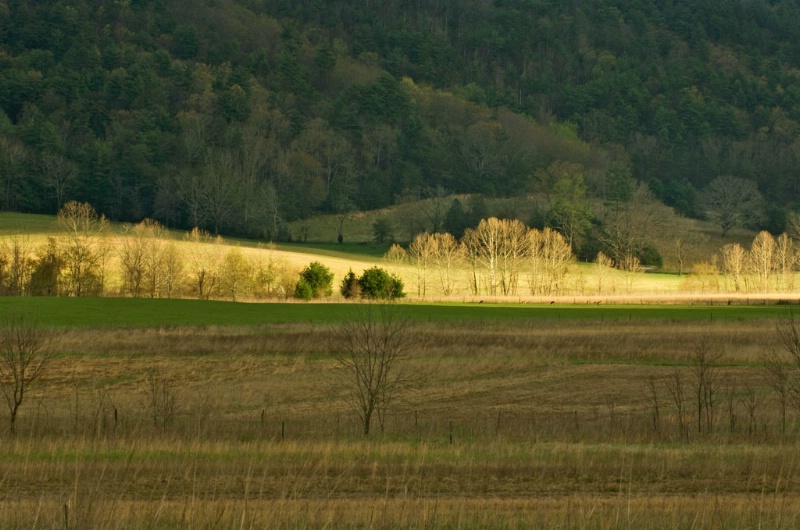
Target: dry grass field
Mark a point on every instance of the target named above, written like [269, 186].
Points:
[508, 425]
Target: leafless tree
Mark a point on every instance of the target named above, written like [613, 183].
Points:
[761, 258]
[60, 174]
[602, 267]
[82, 251]
[676, 393]
[434, 207]
[421, 252]
[784, 260]
[373, 347]
[449, 255]
[730, 202]
[23, 360]
[19, 263]
[629, 226]
[654, 402]
[733, 260]
[778, 375]
[202, 263]
[704, 360]
[783, 366]
[236, 273]
[161, 398]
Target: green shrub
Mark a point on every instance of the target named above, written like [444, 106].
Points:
[377, 283]
[649, 256]
[319, 279]
[303, 290]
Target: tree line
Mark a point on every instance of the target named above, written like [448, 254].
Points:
[497, 257]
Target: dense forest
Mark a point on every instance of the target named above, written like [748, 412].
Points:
[240, 115]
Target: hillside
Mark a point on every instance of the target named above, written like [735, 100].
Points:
[239, 116]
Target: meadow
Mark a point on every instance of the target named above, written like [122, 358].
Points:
[629, 400]
[517, 420]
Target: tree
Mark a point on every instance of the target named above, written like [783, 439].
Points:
[761, 258]
[60, 174]
[421, 252]
[782, 366]
[733, 261]
[318, 278]
[434, 207]
[455, 220]
[704, 360]
[46, 274]
[373, 347]
[203, 263]
[82, 253]
[548, 255]
[23, 360]
[349, 287]
[382, 231]
[236, 273]
[499, 245]
[19, 265]
[731, 202]
[448, 255]
[570, 210]
[627, 226]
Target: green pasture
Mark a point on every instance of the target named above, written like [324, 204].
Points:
[12, 223]
[141, 312]
[353, 251]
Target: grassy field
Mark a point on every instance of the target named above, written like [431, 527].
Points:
[579, 411]
[517, 420]
[144, 312]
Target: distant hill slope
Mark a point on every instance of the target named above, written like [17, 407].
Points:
[242, 115]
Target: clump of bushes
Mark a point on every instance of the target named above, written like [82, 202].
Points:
[373, 283]
[315, 281]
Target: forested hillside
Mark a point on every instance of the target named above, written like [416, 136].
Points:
[240, 115]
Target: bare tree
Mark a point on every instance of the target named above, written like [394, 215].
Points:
[730, 202]
[373, 348]
[655, 402]
[628, 226]
[784, 260]
[23, 360]
[548, 257]
[161, 398]
[602, 267]
[761, 258]
[778, 375]
[499, 246]
[421, 251]
[733, 260]
[202, 263]
[676, 393]
[82, 251]
[783, 370]
[449, 256]
[19, 262]
[687, 243]
[434, 207]
[236, 273]
[60, 174]
[704, 360]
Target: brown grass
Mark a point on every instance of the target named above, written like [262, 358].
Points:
[509, 427]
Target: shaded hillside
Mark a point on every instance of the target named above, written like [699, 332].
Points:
[239, 116]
